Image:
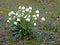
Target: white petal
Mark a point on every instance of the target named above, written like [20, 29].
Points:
[43, 19]
[15, 23]
[30, 11]
[27, 9]
[8, 21]
[17, 14]
[35, 24]
[23, 7]
[34, 15]
[25, 16]
[9, 18]
[23, 11]
[12, 12]
[14, 17]
[37, 11]
[20, 7]
[35, 18]
[30, 7]
[18, 19]
[9, 14]
[28, 19]
[37, 15]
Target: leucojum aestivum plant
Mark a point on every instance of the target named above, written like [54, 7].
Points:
[23, 21]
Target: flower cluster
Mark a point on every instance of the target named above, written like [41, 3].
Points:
[23, 20]
[23, 12]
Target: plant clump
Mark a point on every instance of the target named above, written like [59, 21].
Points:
[23, 21]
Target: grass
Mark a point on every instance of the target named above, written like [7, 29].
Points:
[49, 9]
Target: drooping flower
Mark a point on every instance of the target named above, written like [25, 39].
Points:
[35, 24]
[10, 18]
[35, 18]
[37, 11]
[16, 14]
[23, 11]
[34, 15]
[29, 16]
[15, 23]
[30, 11]
[10, 13]
[43, 18]
[58, 17]
[18, 19]
[27, 9]
[37, 15]
[30, 7]
[8, 21]
[28, 19]
[20, 7]
[25, 16]
[14, 17]
[23, 7]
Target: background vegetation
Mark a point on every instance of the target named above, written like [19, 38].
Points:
[50, 9]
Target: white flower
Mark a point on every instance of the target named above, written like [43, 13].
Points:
[35, 24]
[29, 16]
[43, 18]
[9, 14]
[8, 21]
[15, 23]
[30, 7]
[30, 11]
[35, 18]
[9, 18]
[23, 11]
[25, 16]
[37, 11]
[27, 9]
[12, 12]
[20, 7]
[18, 19]
[14, 17]
[37, 15]
[28, 19]
[23, 7]
[34, 15]
[16, 14]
